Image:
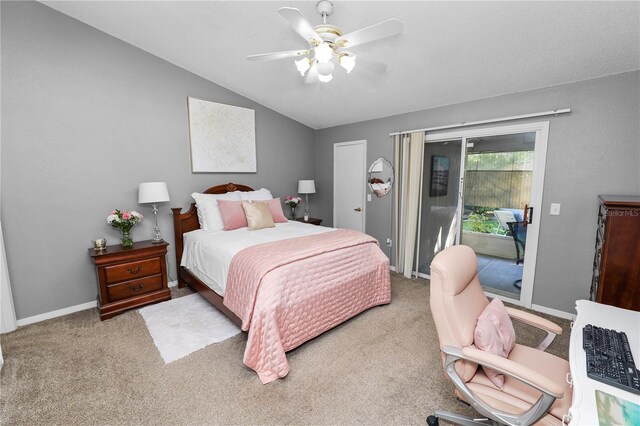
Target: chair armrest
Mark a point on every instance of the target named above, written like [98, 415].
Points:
[513, 369]
[534, 320]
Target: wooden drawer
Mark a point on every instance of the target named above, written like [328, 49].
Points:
[134, 288]
[132, 270]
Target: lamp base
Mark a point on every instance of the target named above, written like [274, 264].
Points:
[154, 241]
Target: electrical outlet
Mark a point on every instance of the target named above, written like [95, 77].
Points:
[388, 242]
[555, 209]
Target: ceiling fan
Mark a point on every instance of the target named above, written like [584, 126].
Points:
[327, 43]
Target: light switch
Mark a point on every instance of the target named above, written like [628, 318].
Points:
[555, 209]
[368, 197]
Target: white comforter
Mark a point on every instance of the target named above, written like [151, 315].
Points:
[208, 254]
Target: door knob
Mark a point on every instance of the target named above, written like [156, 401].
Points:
[358, 209]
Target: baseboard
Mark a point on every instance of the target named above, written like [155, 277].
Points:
[55, 314]
[554, 312]
[66, 311]
[392, 268]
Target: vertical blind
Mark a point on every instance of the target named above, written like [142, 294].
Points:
[408, 154]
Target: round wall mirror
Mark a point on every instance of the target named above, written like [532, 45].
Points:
[380, 177]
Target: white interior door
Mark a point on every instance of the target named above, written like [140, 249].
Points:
[349, 184]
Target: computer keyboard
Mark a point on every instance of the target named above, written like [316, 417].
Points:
[609, 358]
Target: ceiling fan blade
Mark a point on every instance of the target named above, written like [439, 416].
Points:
[370, 65]
[371, 33]
[299, 23]
[277, 55]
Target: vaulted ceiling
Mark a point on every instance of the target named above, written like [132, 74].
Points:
[449, 52]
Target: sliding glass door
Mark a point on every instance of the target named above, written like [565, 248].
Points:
[439, 213]
[483, 188]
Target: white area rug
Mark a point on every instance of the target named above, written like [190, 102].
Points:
[186, 324]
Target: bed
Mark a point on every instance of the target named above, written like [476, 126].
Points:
[282, 291]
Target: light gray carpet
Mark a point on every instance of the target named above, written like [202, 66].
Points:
[382, 367]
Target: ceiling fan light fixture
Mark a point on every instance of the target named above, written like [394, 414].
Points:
[326, 42]
[323, 52]
[348, 62]
[303, 65]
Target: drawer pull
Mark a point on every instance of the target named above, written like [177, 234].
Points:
[136, 287]
[135, 270]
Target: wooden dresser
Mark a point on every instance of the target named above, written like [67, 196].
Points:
[130, 278]
[616, 264]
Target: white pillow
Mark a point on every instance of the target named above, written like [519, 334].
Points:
[208, 210]
[259, 195]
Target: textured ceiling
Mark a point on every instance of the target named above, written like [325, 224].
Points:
[449, 52]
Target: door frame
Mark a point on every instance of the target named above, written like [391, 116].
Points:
[541, 129]
[337, 145]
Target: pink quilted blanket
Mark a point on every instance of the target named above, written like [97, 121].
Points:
[288, 292]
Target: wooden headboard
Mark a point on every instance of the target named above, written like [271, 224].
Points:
[185, 222]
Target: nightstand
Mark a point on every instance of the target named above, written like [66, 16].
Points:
[312, 220]
[130, 278]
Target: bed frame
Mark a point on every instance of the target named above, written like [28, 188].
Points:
[185, 222]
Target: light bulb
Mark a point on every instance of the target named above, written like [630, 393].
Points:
[303, 65]
[348, 62]
[325, 78]
[326, 68]
[324, 53]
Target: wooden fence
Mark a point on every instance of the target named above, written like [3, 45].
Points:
[497, 189]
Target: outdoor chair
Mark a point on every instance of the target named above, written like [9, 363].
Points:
[514, 227]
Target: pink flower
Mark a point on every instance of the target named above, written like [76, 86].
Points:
[113, 212]
[126, 216]
[289, 197]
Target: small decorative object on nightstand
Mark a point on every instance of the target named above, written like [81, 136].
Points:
[311, 220]
[292, 202]
[124, 221]
[130, 278]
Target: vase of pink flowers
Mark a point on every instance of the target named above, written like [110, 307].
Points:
[124, 221]
[292, 202]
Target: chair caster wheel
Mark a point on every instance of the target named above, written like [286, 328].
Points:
[432, 421]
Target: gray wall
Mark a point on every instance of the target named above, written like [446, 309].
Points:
[85, 119]
[593, 150]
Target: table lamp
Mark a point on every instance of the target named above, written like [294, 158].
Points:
[154, 192]
[306, 187]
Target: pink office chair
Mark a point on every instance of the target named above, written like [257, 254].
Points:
[535, 386]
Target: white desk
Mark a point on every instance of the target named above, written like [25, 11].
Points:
[583, 410]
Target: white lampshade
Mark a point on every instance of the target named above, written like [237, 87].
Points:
[303, 65]
[306, 187]
[153, 192]
[323, 52]
[348, 62]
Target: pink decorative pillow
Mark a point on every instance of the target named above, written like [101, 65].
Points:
[276, 210]
[494, 333]
[232, 214]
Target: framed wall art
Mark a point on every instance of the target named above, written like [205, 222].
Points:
[222, 137]
[439, 176]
